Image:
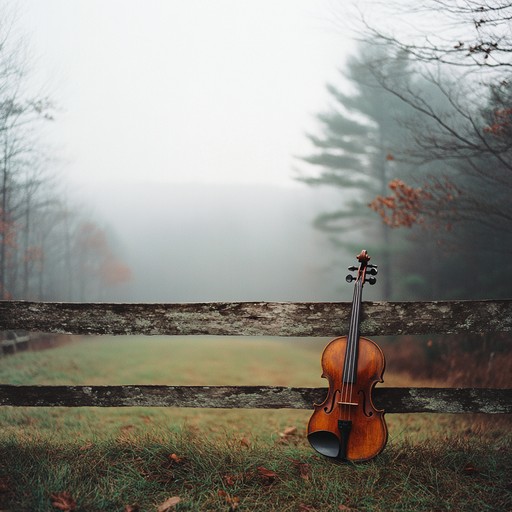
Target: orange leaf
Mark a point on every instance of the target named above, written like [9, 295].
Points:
[229, 480]
[245, 442]
[63, 501]
[268, 475]
[176, 458]
[168, 504]
[288, 431]
[232, 501]
[131, 508]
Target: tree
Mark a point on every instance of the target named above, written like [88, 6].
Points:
[459, 179]
[468, 135]
[470, 34]
[98, 266]
[38, 231]
[20, 116]
[361, 134]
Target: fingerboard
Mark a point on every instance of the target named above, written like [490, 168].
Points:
[351, 352]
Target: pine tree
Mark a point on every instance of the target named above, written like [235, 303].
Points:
[360, 137]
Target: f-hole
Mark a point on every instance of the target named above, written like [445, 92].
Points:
[333, 402]
[366, 407]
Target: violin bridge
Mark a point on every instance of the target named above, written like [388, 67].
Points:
[347, 403]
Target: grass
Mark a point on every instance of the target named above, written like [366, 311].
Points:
[108, 459]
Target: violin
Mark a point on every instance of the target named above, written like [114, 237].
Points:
[346, 425]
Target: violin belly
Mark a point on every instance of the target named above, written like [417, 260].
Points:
[364, 433]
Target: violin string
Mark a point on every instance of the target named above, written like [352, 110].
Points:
[343, 408]
[353, 347]
[346, 391]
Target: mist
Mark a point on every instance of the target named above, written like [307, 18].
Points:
[194, 242]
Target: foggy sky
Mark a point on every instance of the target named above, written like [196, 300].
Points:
[195, 91]
[163, 107]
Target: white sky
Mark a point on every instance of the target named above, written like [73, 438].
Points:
[187, 91]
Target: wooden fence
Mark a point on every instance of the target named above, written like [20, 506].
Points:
[300, 319]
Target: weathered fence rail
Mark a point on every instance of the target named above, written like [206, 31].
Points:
[392, 400]
[257, 318]
[301, 319]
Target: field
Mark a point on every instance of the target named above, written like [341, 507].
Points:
[126, 459]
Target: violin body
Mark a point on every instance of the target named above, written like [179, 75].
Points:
[346, 425]
[368, 432]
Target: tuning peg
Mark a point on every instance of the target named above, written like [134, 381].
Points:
[349, 278]
[352, 268]
[372, 271]
[371, 280]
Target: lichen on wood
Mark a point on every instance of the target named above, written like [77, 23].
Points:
[294, 319]
[392, 400]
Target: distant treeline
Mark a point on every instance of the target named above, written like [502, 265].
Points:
[48, 249]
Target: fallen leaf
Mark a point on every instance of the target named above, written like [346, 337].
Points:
[289, 431]
[229, 480]
[267, 474]
[232, 501]
[63, 501]
[131, 508]
[175, 458]
[344, 508]
[168, 504]
[469, 469]
[85, 447]
[306, 508]
[233, 504]
[286, 436]
[304, 469]
[245, 442]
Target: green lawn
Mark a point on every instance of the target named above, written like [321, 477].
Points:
[110, 458]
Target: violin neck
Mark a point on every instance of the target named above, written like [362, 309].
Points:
[350, 368]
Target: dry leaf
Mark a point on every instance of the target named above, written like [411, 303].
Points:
[245, 442]
[303, 467]
[174, 458]
[63, 501]
[229, 480]
[85, 447]
[344, 508]
[267, 474]
[286, 436]
[168, 504]
[232, 501]
[306, 508]
[469, 469]
[233, 504]
[289, 431]
[131, 508]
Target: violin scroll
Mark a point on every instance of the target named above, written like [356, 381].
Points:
[364, 269]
